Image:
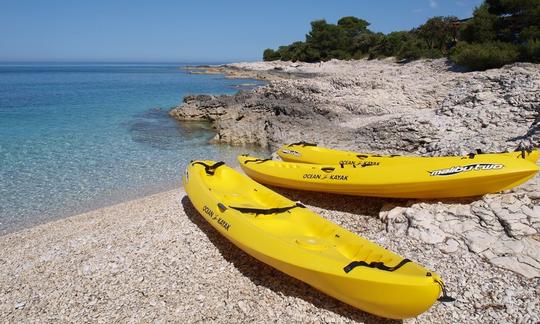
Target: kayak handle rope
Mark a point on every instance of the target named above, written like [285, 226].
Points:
[444, 298]
[209, 169]
[472, 155]
[257, 160]
[524, 149]
[376, 265]
[366, 156]
[302, 144]
[268, 211]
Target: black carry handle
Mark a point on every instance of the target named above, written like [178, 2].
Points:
[302, 144]
[444, 298]
[376, 265]
[267, 211]
[524, 149]
[257, 160]
[209, 169]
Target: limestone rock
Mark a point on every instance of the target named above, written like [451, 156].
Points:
[423, 107]
[494, 227]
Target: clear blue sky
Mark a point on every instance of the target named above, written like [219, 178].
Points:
[188, 31]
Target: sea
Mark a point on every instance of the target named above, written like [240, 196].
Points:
[76, 137]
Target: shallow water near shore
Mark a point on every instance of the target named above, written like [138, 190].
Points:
[79, 137]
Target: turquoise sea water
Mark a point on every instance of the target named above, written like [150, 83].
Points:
[79, 137]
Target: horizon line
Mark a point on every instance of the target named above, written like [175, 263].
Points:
[108, 62]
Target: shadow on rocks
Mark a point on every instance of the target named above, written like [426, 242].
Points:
[360, 205]
[262, 274]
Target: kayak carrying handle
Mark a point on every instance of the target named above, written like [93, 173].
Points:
[444, 298]
[302, 143]
[376, 265]
[209, 169]
[524, 149]
[472, 155]
[257, 160]
[267, 211]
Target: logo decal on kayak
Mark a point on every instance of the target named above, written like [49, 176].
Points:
[315, 176]
[291, 152]
[339, 177]
[208, 212]
[466, 168]
[223, 223]
[360, 164]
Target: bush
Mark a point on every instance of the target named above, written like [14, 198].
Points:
[271, 55]
[411, 50]
[483, 56]
[531, 51]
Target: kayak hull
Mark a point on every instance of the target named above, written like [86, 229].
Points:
[307, 247]
[464, 177]
[310, 153]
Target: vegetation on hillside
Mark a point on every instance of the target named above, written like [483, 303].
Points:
[500, 32]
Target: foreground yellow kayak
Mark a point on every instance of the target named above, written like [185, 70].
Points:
[427, 178]
[295, 240]
[310, 153]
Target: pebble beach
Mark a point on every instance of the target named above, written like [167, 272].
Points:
[155, 259]
[149, 260]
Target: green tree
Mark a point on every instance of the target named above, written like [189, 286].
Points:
[353, 26]
[437, 33]
[326, 39]
[388, 45]
[270, 55]
[481, 28]
[284, 53]
[362, 43]
[510, 28]
[515, 18]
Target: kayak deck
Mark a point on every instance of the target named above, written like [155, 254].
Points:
[311, 153]
[433, 178]
[293, 239]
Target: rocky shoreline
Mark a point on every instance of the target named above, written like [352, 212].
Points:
[428, 108]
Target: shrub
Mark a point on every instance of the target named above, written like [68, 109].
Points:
[271, 55]
[409, 51]
[483, 56]
[531, 51]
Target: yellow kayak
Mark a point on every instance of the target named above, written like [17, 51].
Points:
[427, 178]
[300, 243]
[310, 153]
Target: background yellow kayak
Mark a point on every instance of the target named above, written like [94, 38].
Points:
[426, 178]
[295, 240]
[310, 153]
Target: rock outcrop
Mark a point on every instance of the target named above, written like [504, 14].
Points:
[422, 107]
[264, 116]
[502, 228]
